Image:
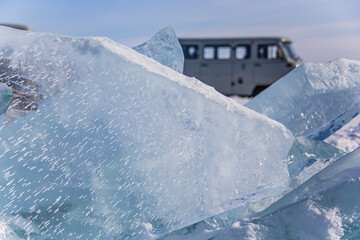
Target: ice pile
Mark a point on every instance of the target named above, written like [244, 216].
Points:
[124, 147]
[314, 100]
[306, 158]
[5, 99]
[298, 104]
[325, 207]
[322, 200]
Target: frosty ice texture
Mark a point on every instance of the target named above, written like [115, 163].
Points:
[124, 147]
[5, 99]
[165, 48]
[314, 100]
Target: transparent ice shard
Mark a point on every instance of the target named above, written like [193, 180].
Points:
[315, 99]
[306, 152]
[123, 147]
[165, 48]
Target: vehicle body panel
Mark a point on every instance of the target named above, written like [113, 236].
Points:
[238, 66]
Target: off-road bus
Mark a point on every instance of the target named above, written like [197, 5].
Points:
[239, 66]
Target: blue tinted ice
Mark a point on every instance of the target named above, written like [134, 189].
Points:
[306, 152]
[123, 147]
[315, 99]
[165, 48]
[5, 99]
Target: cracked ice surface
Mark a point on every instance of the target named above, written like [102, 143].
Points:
[123, 147]
[5, 99]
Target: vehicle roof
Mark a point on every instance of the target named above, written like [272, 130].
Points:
[230, 39]
[17, 26]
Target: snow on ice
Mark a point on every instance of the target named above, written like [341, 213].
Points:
[115, 145]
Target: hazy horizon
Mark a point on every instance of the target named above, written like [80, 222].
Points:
[321, 30]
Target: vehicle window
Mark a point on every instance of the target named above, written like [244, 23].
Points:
[242, 52]
[223, 52]
[269, 51]
[290, 51]
[209, 52]
[217, 52]
[190, 51]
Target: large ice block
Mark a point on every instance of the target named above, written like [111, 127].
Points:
[315, 99]
[165, 48]
[124, 147]
[5, 99]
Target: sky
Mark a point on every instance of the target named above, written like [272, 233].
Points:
[321, 30]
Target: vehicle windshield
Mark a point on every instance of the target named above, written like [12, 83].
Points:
[290, 51]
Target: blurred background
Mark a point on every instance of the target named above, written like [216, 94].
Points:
[321, 30]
